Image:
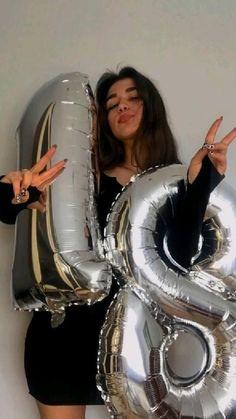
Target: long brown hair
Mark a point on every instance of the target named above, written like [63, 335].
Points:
[154, 143]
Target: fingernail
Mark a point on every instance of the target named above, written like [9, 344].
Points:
[220, 118]
[54, 145]
[65, 160]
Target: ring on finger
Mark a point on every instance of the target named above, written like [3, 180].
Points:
[16, 200]
[208, 146]
[24, 192]
[21, 198]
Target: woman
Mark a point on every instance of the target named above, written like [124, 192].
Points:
[133, 134]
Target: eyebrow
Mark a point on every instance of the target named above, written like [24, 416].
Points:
[129, 89]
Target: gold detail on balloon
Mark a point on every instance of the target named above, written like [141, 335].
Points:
[43, 134]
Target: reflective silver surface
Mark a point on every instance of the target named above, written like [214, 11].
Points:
[59, 255]
[168, 346]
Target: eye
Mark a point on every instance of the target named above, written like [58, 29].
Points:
[135, 99]
[111, 106]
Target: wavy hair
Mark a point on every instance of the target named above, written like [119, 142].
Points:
[154, 143]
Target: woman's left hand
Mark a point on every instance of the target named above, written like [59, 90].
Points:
[217, 152]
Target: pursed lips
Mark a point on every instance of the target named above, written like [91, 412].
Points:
[124, 118]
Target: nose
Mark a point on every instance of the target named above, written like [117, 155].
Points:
[122, 107]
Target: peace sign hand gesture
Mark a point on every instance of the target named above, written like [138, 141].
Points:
[21, 180]
[217, 152]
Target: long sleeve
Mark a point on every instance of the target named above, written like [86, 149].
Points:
[184, 237]
[9, 211]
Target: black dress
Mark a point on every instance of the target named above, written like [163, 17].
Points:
[60, 363]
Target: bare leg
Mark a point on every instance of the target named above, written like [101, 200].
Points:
[61, 412]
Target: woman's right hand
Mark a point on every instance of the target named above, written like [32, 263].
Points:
[36, 176]
[217, 152]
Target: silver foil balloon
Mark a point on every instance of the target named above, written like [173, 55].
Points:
[168, 346]
[166, 366]
[59, 256]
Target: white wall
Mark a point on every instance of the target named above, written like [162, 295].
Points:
[187, 46]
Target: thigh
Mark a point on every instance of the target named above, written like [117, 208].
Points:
[61, 412]
[61, 363]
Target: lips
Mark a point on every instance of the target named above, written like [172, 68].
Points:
[124, 118]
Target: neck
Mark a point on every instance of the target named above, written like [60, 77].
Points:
[129, 160]
[130, 166]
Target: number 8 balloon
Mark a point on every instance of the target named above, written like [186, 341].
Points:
[168, 345]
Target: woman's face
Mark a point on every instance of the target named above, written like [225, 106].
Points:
[124, 109]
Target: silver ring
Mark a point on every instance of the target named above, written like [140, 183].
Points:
[208, 146]
[21, 198]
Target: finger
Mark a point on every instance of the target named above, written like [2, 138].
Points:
[229, 137]
[26, 179]
[220, 147]
[38, 206]
[42, 186]
[216, 148]
[219, 161]
[210, 137]
[43, 197]
[40, 165]
[16, 180]
[218, 158]
[199, 155]
[48, 174]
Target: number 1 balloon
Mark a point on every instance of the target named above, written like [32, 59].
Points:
[59, 255]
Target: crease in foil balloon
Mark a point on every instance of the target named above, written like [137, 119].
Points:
[178, 325]
[62, 262]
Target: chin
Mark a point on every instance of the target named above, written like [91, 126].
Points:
[127, 136]
[126, 139]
